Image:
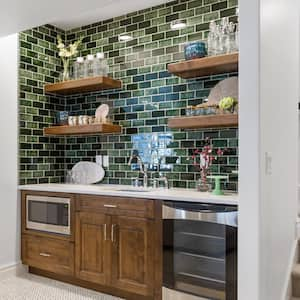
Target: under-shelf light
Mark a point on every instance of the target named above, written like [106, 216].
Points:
[178, 24]
[125, 38]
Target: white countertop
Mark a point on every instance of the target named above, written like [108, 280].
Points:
[127, 191]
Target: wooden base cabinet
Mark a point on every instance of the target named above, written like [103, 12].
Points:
[92, 251]
[117, 247]
[133, 254]
[115, 251]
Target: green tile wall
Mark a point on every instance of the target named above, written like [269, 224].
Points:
[41, 158]
[150, 95]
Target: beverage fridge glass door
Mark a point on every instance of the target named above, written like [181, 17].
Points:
[200, 249]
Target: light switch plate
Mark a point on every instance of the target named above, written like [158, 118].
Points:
[268, 163]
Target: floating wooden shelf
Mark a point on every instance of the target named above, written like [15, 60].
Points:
[84, 85]
[211, 121]
[205, 66]
[92, 129]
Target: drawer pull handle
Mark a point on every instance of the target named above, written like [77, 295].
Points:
[104, 229]
[110, 206]
[113, 232]
[45, 254]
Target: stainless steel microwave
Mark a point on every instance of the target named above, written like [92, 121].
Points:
[49, 214]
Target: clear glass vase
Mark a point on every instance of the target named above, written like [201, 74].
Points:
[65, 74]
[202, 184]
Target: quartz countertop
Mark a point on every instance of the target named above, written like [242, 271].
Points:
[129, 191]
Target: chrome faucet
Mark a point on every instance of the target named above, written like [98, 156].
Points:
[160, 178]
[143, 167]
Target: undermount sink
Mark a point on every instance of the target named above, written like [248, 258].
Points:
[134, 190]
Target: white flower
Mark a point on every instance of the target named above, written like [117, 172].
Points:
[69, 54]
[73, 49]
[63, 53]
[61, 46]
[69, 51]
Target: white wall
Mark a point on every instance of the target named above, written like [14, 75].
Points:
[279, 95]
[269, 76]
[249, 177]
[9, 207]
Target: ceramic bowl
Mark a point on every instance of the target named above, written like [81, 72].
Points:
[195, 50]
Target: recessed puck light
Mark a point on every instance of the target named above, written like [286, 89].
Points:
[125, 37]
[178, 24]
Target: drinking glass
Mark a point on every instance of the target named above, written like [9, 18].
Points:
[69, 178]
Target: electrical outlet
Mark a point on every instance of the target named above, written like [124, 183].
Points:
[99, 160]
[105, 161]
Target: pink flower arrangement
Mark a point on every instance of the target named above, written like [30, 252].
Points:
[203, 158]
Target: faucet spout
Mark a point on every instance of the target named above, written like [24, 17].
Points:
[143, 167]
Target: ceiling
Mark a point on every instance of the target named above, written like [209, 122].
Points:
[18, 15]
[108, 9]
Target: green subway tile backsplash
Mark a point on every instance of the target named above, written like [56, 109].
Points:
[150, 95]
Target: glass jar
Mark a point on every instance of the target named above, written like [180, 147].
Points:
[100, 65]
[69, 177]
[200, 111]
[237, 38]
[189, 111]
[211, 39]
[79, 68]
[89, 66]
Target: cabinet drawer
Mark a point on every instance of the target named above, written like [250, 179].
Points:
[116, 205]
[48, 254]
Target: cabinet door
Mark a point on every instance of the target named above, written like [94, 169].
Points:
[93, 247]
[133, 255]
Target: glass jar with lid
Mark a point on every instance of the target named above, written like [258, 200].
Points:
[100, 65]
[79, 68]
[89, 66]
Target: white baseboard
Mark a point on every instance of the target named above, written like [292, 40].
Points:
[13, 270]
[287, 291]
